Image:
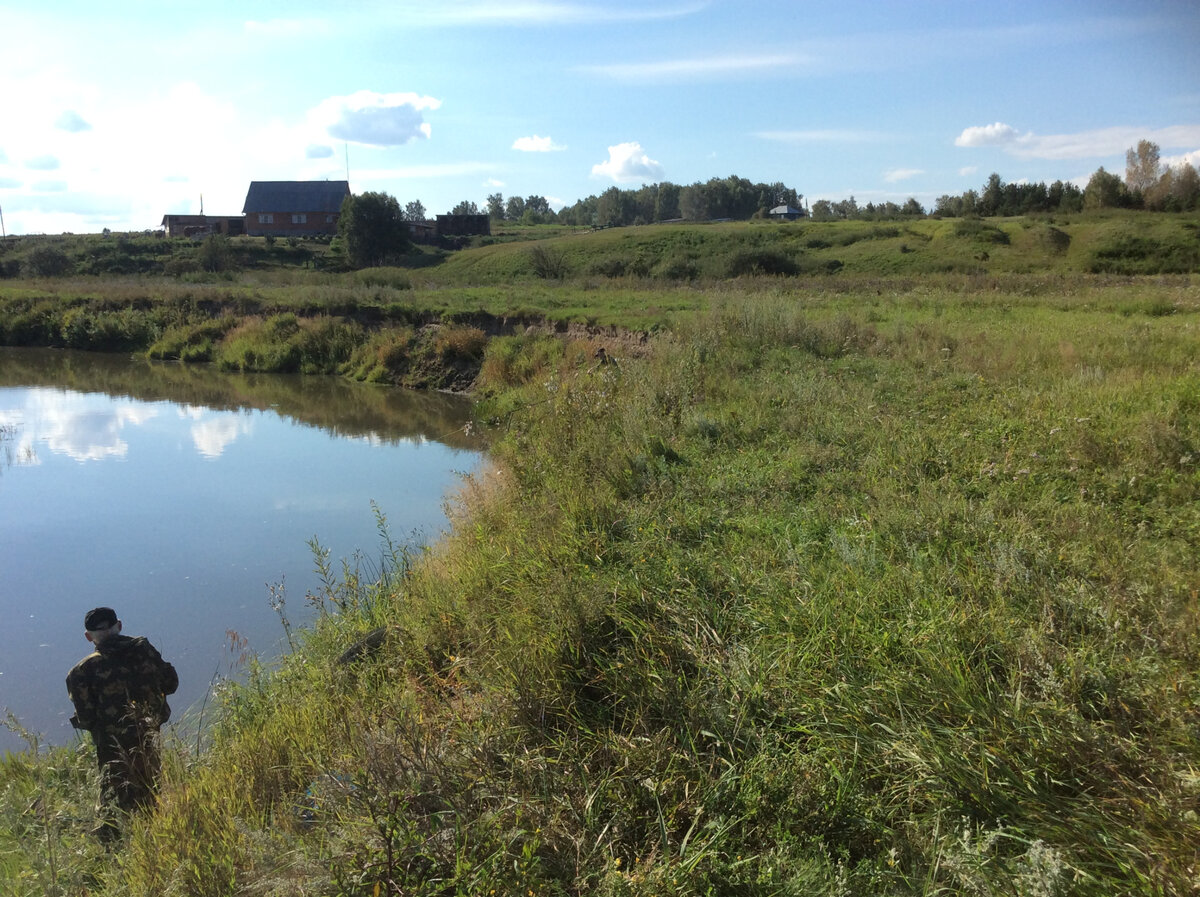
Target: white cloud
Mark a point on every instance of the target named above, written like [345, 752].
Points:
[72, 122]
[1082, 145]
[968, 170]
[50, 186]
[492, 182]
[317, 151]
[901, 174]
[697, 67]
[536, 144]
[628, 162]
[1192, 158]
[375, 119]
[43, 163]
[997, 134]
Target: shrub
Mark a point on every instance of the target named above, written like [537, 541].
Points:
[759, 261]
[48, 261]
[548, 262]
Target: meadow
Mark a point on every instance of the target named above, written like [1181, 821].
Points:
[867, 580]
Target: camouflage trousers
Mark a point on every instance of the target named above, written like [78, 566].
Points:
[129, 764]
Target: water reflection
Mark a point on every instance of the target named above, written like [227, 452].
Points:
[178, 495]
[347, 409]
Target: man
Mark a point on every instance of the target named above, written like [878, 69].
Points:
[120, 696]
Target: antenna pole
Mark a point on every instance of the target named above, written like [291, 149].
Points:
[3, 235]
[347, 145]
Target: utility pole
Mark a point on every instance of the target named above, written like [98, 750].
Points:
[3, 235]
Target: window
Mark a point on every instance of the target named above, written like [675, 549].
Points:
[300, 218]
[266, 218]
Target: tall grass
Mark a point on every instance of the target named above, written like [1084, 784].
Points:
[878, 592]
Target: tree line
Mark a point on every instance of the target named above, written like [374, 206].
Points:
[1148, 184]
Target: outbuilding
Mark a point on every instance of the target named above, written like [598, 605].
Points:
[785, 213]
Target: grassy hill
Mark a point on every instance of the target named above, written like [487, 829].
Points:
[867, 582]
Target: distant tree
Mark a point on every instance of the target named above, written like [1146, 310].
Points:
[539, 205]
[693, 203]
[822, 210]
[372, 228]
[466, 207]
[912, 208]
[495, 206]
[514, 208]
[666, 202]
[1143, 167]
[1105, 191]
[414, 211]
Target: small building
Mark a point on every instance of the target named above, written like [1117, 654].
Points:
[785, 213]
[294, 208]
[203, 225]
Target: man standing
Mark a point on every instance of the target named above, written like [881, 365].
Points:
[120, 696]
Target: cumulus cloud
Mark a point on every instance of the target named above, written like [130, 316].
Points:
[997, 134]
[628, 162]
[901, 174]
[1082, 145]
[536, 144]
[42, 163]
[72, 121]
[375, 119]
[317, 151]
[968, 170]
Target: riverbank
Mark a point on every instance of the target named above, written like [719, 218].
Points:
[887, 589]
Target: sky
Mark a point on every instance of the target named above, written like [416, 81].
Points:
[114, 114]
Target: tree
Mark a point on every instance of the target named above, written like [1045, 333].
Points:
[912, 208]
[495, 206]
[1105, 191]
[373, 229]
[414, 211]
[1143, 167]
[466, 207]
[514, 208]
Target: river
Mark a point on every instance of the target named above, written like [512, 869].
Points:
[187, 498]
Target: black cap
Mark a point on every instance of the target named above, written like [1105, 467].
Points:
[99, 618]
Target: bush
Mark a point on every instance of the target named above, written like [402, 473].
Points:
[548, 262]
[759, 261]
[47, 261]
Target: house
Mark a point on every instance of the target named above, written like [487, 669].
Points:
[202, 225]
[294, 208]
[785, 213]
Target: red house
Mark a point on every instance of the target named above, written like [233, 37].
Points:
[294, 208]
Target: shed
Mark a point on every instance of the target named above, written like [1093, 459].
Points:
[786, 213]
[294, 208]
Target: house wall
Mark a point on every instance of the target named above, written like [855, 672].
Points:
[281, 224]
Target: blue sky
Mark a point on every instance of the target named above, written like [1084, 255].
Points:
[113, 114]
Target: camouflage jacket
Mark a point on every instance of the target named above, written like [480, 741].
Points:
[123, 682]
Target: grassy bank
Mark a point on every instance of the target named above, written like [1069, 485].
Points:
[877, 589]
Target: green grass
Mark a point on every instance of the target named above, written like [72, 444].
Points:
[835, 585]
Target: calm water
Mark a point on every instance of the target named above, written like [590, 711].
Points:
[178, 494]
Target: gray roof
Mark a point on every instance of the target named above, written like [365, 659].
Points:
[296, 196]
[784, 210]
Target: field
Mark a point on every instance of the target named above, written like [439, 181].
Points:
[875, 579]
